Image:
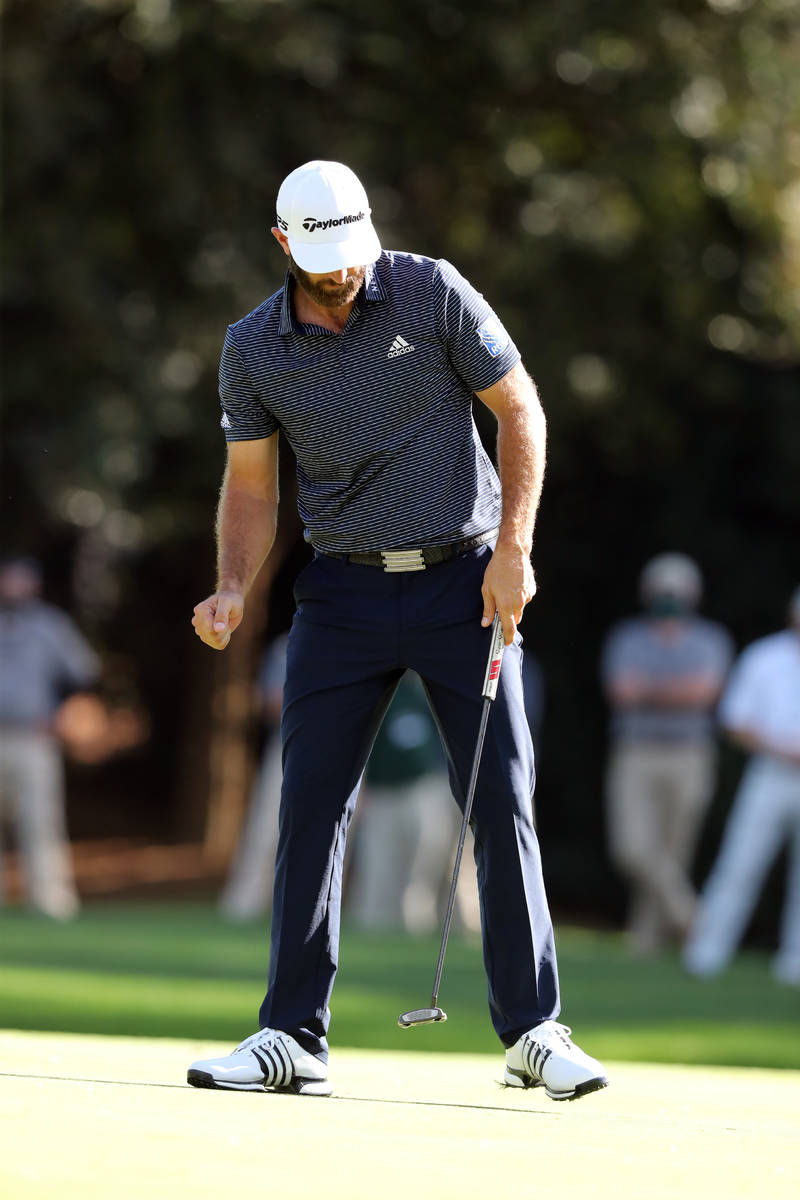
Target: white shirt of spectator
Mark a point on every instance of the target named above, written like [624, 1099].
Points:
[763, 694]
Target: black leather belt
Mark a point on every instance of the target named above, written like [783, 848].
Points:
[414, 559]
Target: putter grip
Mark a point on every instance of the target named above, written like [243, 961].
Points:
[492, 676]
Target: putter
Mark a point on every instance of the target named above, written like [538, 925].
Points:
[426, 1016]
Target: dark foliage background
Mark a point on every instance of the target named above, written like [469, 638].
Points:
[619, 180]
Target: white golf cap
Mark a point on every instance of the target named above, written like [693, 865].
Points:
[323, 210]
[676, 574]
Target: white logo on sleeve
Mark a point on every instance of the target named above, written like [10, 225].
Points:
[226, 421]
[399, 346]
[493, 336]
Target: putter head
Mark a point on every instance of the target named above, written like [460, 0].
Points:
[421, 1016]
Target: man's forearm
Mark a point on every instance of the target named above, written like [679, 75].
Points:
[521, 448]
[246, 525]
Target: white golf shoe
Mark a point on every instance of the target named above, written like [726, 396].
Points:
[546, 1056]
[269, 1060]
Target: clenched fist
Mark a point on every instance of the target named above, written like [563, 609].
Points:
[216, 618]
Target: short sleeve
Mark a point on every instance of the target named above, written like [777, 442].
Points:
[479, 347]
[621, 654]
[718, 653]
[74, 662]
[244, 416]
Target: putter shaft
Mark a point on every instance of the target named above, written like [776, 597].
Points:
[423, 1016]
[490, 682]
[476, 762]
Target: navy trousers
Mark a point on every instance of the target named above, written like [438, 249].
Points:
[356, 629]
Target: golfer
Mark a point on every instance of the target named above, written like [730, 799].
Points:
[366, 361]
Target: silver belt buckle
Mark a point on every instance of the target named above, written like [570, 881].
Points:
[402, 560]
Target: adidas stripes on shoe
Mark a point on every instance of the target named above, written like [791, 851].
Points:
[545, 1056]
[269, 1060]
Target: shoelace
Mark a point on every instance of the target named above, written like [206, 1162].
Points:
[264, 1037]
[550, 1031]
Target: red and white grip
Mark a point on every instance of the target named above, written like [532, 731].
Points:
[492, 677]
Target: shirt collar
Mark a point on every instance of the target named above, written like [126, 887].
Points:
[288, 323]
[373, 286]
[373, 290]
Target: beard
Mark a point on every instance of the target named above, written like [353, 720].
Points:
[325, 292]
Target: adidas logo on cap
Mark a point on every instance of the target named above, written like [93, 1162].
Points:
[399, 346]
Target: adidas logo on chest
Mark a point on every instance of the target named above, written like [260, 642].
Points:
[399, 346]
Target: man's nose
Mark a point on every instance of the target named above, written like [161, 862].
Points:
[338, 276]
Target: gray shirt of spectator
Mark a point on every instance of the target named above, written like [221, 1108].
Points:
[633, 647]
[43, 658]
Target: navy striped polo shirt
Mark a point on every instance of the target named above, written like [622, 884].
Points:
[380, 415]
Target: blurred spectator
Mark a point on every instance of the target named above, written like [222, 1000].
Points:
[662, 672]
[408, 821]
[43, 658]
[760, 711]
[248, 889]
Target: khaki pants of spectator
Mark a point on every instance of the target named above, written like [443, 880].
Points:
[32, 801]
[658, 795]
[403, 850]
[403, 859]
[248, 888]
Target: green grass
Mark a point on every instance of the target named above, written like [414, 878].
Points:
[96, 1118]
[178, 970]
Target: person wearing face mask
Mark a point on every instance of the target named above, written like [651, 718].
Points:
[43, 658]
[760, 713]
[662, 673]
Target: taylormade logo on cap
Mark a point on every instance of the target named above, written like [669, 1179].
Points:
[339, 234]
[312, 223]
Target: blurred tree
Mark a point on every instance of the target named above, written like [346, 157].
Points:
[620, 181]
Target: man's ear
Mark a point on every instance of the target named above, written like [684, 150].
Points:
[281, 239]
